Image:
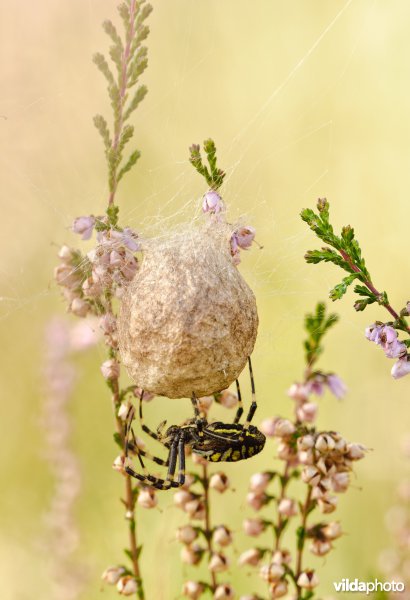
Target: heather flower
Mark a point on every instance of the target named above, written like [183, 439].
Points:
[219, 482]
[287, 507]
[256, 500]
[129, 239]
[250, 557]
[272, 572]
[186, 534]
[327, 504]
[278, 589]
[228, 399]
[110, 369]
[224, 592]
[112, 575]
[253, 527]
[336, 386]
[268, 427]
[311, 475]
[212, 202]
[356, 451]
[127, 586]
[192, 589]
[147, 498]
[84, 226]
[195, 509]
[299, 391]
[79, 307]
[320, 547]
[192, 555]
[182, 497]
[386, 337]
[332, 530]
[401, 367]
[306, 412]
[204, 403]
[340, 482]
[259, 482]
[308, 580]
[244, 237]
[222, 536]
[218, 563]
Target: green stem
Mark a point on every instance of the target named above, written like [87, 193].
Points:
[208, 528]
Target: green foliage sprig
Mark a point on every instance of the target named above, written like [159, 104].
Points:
[213, 175]
[129, 61]
[345, 252]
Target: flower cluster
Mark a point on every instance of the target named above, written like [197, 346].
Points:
[386, 337]
[321, 460]
[344, 251]
[106, 269]
[203, 540]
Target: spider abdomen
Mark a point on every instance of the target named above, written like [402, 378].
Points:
[225, 442]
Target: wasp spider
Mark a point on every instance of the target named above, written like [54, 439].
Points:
[216, 442]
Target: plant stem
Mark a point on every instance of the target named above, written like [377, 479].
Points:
[301, 542]
[208, 528]
[130, 497]
[371, 287]
[122, 92]
[280, 524]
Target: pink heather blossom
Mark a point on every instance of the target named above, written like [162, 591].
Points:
[340, 482]
[244, 237]
[253, 527]
[386, 337]
[212, 202]
[272, 572]
[401, 367]
[219, 482]
[259, 482]
[182, 497]
[191, 555]
[186, 534]
[268, 426]
[110, 369]
[299, 391]
[84, 226]
[278, 589]
[256, 500]
[287, 507]
[112, 575]
[127, 586]
[224, 592]
[336, 386]
[129, 239]
[308, 580]
[307, 412]
[222, 536]
[250, 557]
[192, 589]
[218, 563]
[228, 399]
[147, 498]
[316, 386]
[79, 307]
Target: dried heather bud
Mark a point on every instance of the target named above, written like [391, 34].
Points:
[228, 399]
[250, 557]
[224, 592]
[182, 497]
[147, 498]
[192, 555]
[127, 586]
[222, 536]
[195, 509]
[219, 482]
[319, 547]
[79, 307]
[256, 500]
[112, 575]
[259, 482]
[324, 443]
[218, 563]
[253, 527]
[278, 589]
[84, 226]
[287, 507]
[118, 464]
[272, 572]
[308, 580]
[192, 589]
[306, 412]
[282, 557]
[327, 504]
[340, 482]
[332, 530]
[356, 451]
[306, 442]
[311, 475]
[186, 534]
[110, 369]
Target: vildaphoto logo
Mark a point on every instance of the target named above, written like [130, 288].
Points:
[368, 587]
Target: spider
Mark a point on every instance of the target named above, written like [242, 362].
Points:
[216, 442]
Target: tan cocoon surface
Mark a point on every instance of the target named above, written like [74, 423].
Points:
[188, 320]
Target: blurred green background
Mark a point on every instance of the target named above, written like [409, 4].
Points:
[304, 99]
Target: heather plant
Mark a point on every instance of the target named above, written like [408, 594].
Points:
[319, 462]
[344, 251]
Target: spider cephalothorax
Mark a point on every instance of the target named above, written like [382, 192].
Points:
[216, 442]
